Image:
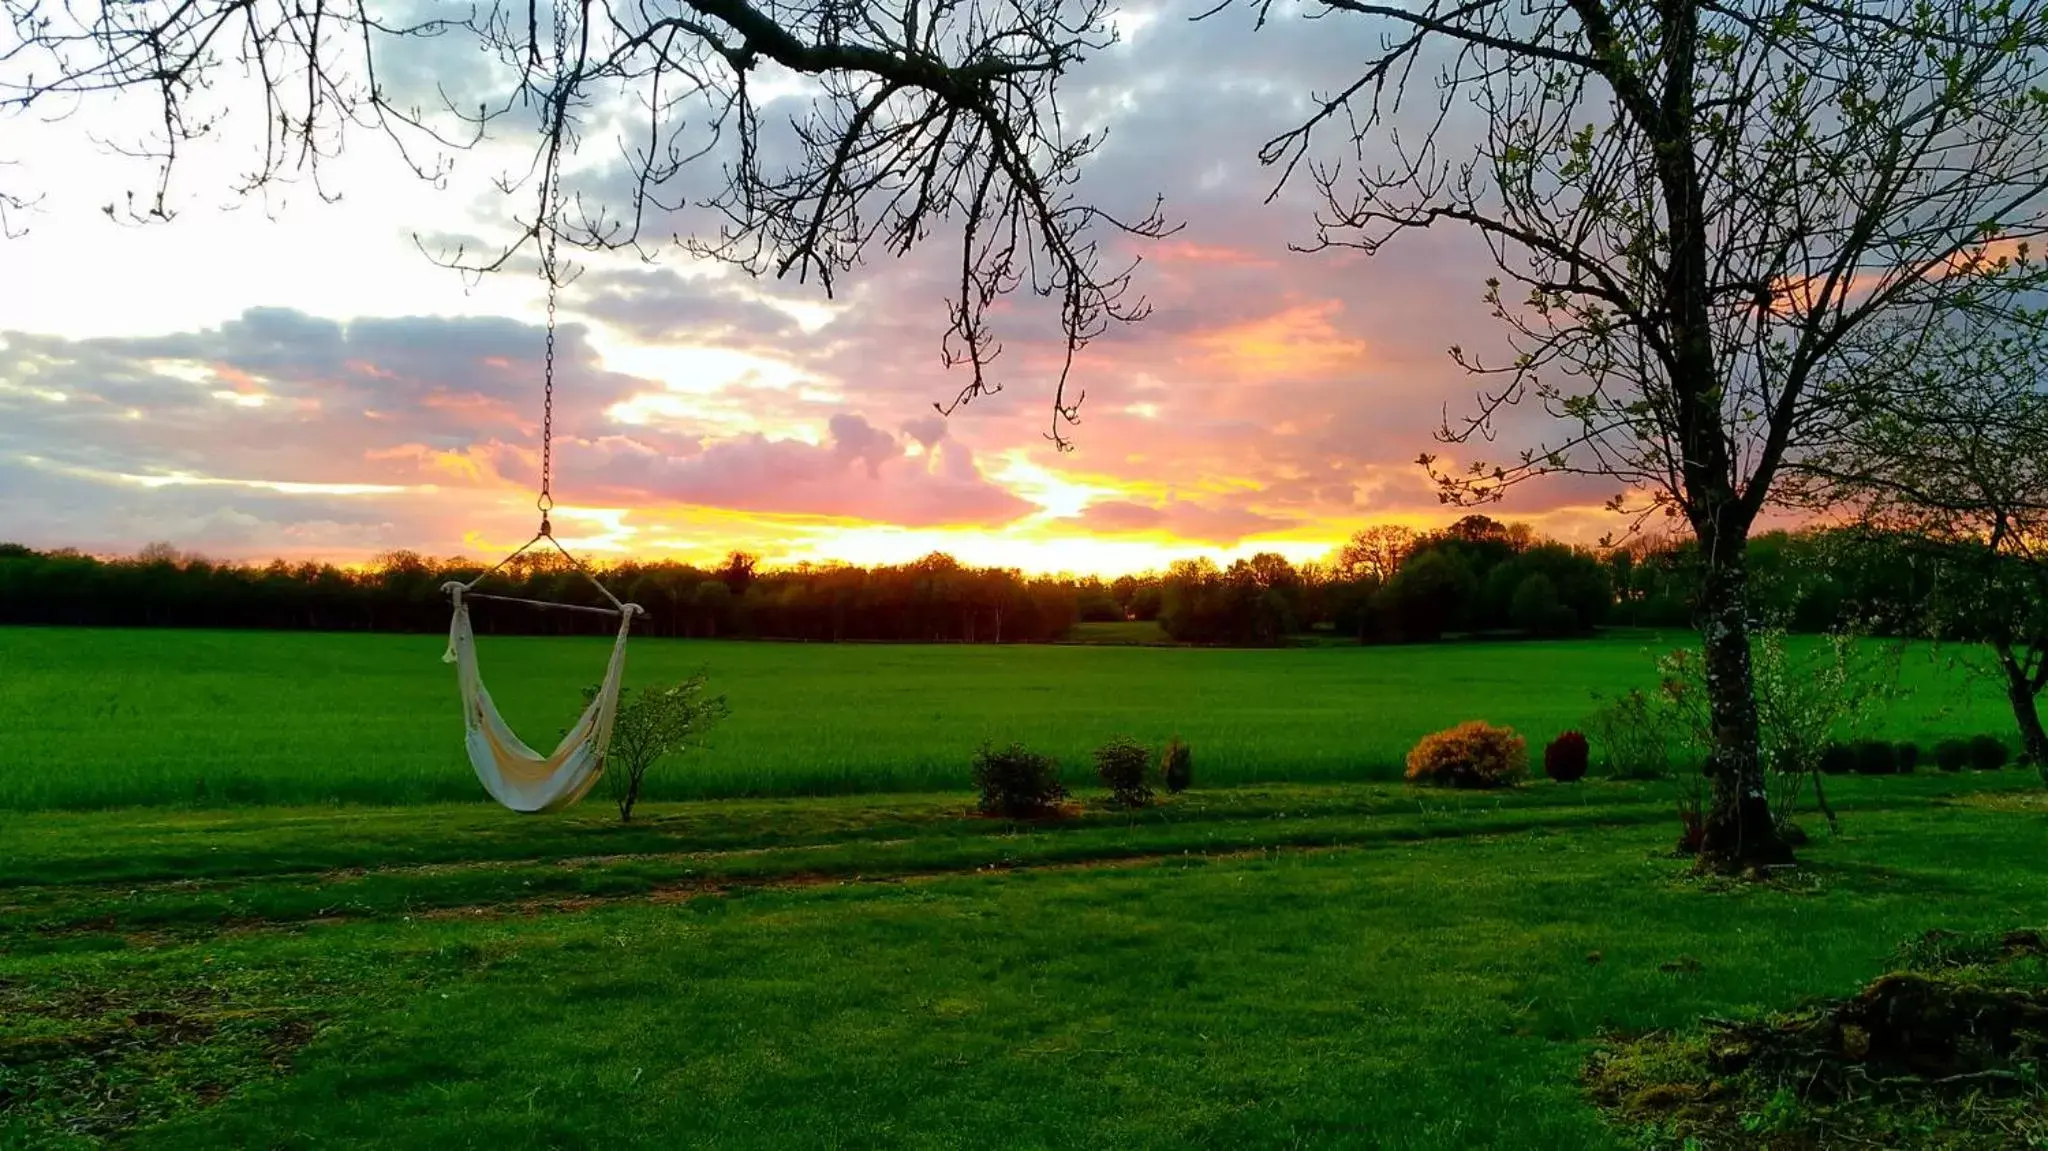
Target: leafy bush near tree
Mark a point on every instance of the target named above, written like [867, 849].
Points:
[1177, 766]
[1633, 733]
[1476, 754]
[1837, 759]
[1566, 758]
[1989, 753]
[1016, 782]
[1952, 754]
[1874, 757]
[1122, 764]
[1906, 755]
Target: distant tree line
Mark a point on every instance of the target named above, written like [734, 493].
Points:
[1483, 577]
[934, 600]
[1385, 585]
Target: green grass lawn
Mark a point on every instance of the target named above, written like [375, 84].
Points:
[1338, 965]
[100, 718]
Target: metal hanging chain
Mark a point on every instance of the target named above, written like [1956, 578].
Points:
[551, 192]
[546, 503]
[547, 232]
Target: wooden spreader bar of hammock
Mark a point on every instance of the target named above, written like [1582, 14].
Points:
[618, 607]
[545, 605]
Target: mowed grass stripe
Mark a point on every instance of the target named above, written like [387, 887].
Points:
[108, 718]
[142, 845]
[206, 908]
[823, 845]
[1435, 995]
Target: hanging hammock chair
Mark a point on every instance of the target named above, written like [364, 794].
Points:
[513, 773]
[516, 775]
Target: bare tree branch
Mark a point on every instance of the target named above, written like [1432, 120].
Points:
[923, 112]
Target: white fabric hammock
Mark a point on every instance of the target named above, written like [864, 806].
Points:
[515, 774]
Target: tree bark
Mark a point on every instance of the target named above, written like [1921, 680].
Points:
[2019, 690]
[1738, 831]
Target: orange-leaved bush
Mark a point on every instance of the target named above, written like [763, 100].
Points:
[1474, 754]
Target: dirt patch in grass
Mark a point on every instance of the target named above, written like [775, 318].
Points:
[683, 891]
[1946, 1051]
[2033, 802]
[98, 926]
[92, 1063]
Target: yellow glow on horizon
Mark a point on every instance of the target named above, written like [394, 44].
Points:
[1034, 551]
[1055, 494]
[606, 529]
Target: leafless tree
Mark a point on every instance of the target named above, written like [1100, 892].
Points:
[1377, 552]
[1700, 212]
[923, 112]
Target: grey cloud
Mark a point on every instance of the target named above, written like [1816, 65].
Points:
[100, 514]
[659, 305]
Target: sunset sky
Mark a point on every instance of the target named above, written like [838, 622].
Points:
[296, 379]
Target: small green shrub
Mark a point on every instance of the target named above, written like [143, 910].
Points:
[1122, 764]
[1988, 753]
[1633, 735]
[1474, 754]
[1017, 782]
[1952, 755]
[1566, 758]
[1874, 757]
[650, 725]
[1177, 766]
[1906, 757]
[1837, 759]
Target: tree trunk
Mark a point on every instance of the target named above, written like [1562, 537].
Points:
[2019, 689]
[1737, 829]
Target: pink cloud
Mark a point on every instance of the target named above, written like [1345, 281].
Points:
[1207, 523]
[861, 472]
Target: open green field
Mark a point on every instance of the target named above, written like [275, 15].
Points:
[1355, 965]
[207, 950]
[102, 718]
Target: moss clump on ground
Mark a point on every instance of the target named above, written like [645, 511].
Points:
[1945, 1051]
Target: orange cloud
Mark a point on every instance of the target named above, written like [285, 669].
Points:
[1297, 342]
[1188, 252]
[471, 464]
[1795, 295]
[473, 406]
[238, 381]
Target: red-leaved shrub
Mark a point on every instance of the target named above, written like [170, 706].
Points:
[1475, 754]
[1566, 758]
[1692, 833]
